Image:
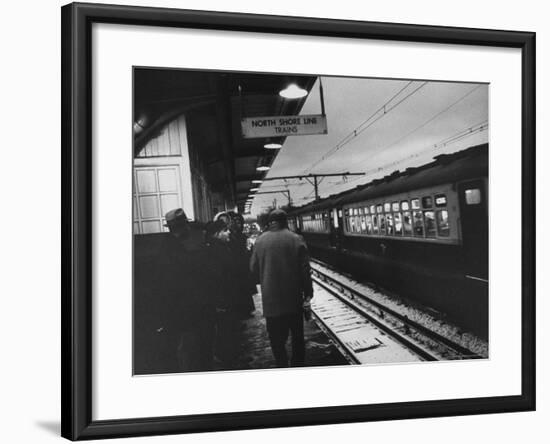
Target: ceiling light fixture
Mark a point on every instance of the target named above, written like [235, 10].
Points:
[273, 146]
[293, 91]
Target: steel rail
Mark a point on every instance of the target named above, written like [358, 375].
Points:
[418, 350]
[457, 348]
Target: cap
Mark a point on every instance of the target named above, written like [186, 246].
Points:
[277, 215]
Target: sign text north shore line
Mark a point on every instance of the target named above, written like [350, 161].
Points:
[285, 121]
[283, 125]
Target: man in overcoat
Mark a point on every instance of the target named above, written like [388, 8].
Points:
[280, 263]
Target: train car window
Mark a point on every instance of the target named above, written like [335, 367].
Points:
[379, 208]
[429, 218]
[415, 203]
[339, 213]
[405, 205]
[427, 202]
[366, 210]
[387, 206]
[443, 227]
[418, 223]
[372, 209]
[375, 224]
[369, 224]
[440, 200]
[398, 224]
[407, 223]
[389, 227]
[382, 223]
[473, 196]
[363, 225]
[395, 206]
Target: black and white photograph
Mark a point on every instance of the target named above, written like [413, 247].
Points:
[305, 220]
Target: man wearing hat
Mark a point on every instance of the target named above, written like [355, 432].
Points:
[280, 262]
[186, 313]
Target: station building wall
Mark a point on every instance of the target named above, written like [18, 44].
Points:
[169, 173]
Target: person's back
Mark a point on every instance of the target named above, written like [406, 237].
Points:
[280, 263]
[278, 260]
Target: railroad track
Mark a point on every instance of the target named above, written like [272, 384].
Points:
[351, 310]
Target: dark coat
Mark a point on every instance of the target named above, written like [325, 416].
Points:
[243, 282]
[184, 286]
[280, 261]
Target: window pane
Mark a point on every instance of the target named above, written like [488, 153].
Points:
[415, 204]
[389, 227]
[169, 202]
[379, 208]
[363, 224]
[369, 224]
[404, 205]
[168, 180]
[398, 223]
[407, 223]
[366, 210]
[151, 226]
[149, 207]
[443, 228]
[382, 223]
[473, 196]
[427, 202]
[372, 209]
[418, 224]
[146, 181]
[395, 206]
[429, 218]
[440, 200]
[387, 206]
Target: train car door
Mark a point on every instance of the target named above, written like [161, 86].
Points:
[338, 220]
[474, 221]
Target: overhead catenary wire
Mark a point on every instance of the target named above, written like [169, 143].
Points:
[474, 129]
[381, 112]
[467, 132]
[422, 125]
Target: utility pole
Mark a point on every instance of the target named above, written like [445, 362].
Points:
[313, 179]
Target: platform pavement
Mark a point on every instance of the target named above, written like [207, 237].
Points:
[255, 350]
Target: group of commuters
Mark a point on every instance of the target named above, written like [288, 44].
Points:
[206, 281]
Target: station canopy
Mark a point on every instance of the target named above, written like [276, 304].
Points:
[213, 103]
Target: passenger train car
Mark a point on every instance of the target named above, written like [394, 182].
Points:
[422, 232]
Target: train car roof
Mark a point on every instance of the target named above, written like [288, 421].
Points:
[446, 168]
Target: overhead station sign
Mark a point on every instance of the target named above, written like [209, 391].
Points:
[281, 126]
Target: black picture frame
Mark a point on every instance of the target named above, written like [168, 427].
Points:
[77, 20]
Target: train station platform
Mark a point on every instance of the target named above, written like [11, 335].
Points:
[255, 349]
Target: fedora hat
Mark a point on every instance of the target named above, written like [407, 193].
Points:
[175, 216]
